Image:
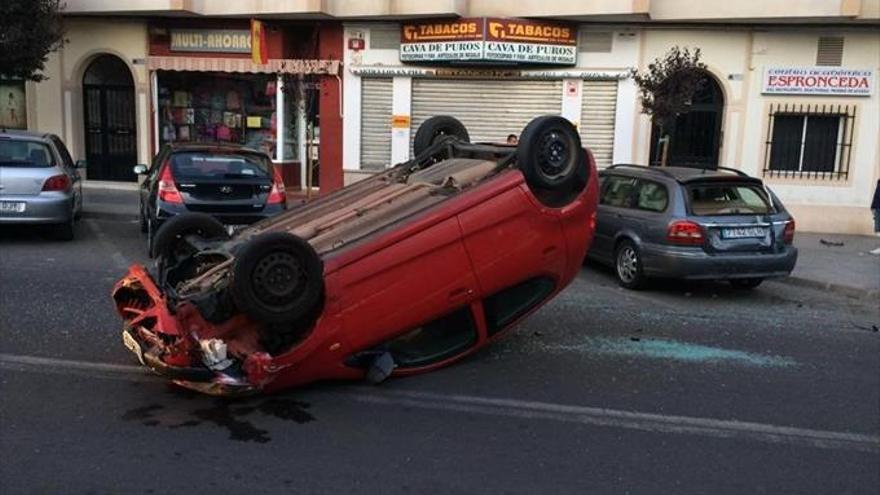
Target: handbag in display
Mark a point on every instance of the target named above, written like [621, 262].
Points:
[182, 99]
[183, 133]
[189, 116]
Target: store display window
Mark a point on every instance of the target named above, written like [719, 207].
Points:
[218, 108]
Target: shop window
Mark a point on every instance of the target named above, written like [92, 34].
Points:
[504, 307]
[809, 141]
[13, 105]
[218, 108]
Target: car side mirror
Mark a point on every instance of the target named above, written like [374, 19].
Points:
[80, 164]
[140, 169]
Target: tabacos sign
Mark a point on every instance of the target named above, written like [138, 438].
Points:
[835, 81]
[489, 40]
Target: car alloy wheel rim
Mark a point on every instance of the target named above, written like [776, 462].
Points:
[627, 264]
[277, 279]
[554, 155]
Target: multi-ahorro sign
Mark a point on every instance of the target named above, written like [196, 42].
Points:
[489, 39]
[836, 81]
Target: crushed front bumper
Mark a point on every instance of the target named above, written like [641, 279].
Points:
[156, 336]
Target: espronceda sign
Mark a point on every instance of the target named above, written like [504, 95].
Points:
[836, 81]
[211, 40]
[489, 40]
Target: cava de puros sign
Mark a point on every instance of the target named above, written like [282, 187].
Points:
[836, 81]
[489, 39]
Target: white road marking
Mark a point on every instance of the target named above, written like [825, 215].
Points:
[500, 407]
[118, 258]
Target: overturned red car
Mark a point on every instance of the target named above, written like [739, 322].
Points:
[405, 272]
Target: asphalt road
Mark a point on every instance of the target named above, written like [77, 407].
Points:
[683, 389]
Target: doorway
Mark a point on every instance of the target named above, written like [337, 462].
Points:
[109, 115]
[695, 138]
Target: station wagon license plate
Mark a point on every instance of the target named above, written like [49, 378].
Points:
[743, 232]
[12, 206]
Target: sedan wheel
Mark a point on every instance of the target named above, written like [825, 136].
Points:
[629, 266]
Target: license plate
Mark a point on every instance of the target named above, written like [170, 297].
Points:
[743, 232]
[12, 206]
[133, 346]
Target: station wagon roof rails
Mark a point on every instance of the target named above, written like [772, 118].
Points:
[653, 169]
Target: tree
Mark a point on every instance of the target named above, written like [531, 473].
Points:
[667, 87]
[29, 31]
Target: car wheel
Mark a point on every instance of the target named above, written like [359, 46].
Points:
[64, 231]
[436, 127]
[277, 278]
[628, 266]
[143, 219]
[745, 283]
[550, 153]
[169, 240]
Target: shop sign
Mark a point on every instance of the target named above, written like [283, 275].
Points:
[833, 81]
[211, 40]
[490, 40]
[467, 73]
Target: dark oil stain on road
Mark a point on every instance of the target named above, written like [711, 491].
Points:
[225, 414]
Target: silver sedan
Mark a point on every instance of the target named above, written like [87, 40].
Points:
[39, 182]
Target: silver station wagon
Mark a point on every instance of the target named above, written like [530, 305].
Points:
[39, 182]
[689, 223]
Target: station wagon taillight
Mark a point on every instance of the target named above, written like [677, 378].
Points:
[788, 233]
[167, 190]
[59, 182]
[685, 233]
[278, 194]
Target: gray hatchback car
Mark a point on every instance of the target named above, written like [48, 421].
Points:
[688, 223]
[39, 182]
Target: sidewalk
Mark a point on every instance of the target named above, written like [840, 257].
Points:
[848, 268]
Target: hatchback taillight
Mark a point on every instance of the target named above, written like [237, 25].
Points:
[57, 183]
[788, 233]
[167, 190]
[685, 233]
[278, 194]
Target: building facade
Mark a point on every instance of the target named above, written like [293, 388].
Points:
[790, 91]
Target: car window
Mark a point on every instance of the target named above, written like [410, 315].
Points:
[506, 306]
[435, 341]
[618, 192]
[728, 199]
[652, 196]
[219, 165]
[22, 153]
[62, 151]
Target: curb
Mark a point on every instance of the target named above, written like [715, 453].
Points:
[847, 290]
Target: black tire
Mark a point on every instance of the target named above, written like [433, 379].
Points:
[628, 266]
[435, 127]
[745, 283]
[167, 242]
[277, 278]
[550, 154]
[64, 231]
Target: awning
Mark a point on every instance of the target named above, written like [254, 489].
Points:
[216, 64]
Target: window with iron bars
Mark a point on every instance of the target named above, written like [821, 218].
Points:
[809, 141]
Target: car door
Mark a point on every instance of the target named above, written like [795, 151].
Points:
[148, 186]
[615, 204]
[417, 279]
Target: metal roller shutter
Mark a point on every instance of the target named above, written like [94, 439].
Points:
[598, 106]
[375, 123]
[490, 109]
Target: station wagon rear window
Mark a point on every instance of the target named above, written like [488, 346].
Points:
[210, 165]
[21, 153]
[728, 199]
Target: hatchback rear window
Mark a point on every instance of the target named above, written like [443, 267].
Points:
[210, 165]
[21, 153]
[728, 199]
